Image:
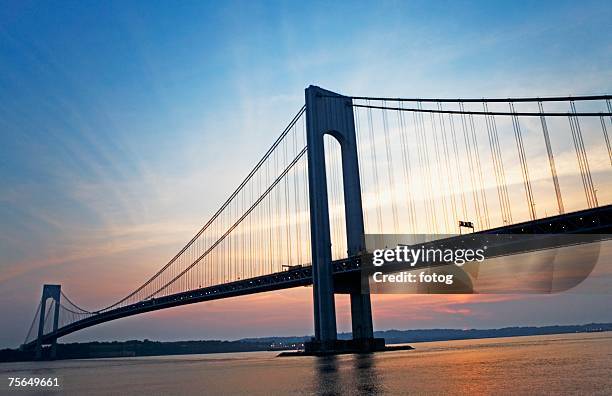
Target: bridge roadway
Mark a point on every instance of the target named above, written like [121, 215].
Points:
[346, 271]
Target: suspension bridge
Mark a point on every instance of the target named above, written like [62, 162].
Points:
[346, 166]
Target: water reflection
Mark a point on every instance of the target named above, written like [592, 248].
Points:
[542, 365]
[367, 378]
[348, 374]
[326, 376]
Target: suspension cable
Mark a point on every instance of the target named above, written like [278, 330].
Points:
[375, 171]
[605, 130]
[581, 155]
[439, 171]
[458, 173]
[523, 160]
[390, 173]
[501, 113]
[219, 211]
[36, 315]
[449, 173]
[233, 226]
[407, 171]
[470, 158]
[498, 166]
[73, 304]
[551, 160]
[478, 100]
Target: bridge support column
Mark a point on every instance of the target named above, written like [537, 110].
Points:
[361, 316]
[53, 292]
[330, 113]
[323, 286]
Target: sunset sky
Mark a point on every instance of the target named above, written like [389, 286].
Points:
[124, 126]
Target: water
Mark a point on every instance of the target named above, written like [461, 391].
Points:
[557, 364]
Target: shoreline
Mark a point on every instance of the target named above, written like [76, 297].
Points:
[134, 348]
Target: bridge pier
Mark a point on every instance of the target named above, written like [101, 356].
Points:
[332, 114]
[361, 316]
[54, 292]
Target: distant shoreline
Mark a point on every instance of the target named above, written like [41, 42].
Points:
[514, 336]
[135, 348]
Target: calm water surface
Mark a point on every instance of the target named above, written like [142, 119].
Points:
[559, 364]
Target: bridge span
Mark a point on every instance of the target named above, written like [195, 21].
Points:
[418, 168]
[346, 272]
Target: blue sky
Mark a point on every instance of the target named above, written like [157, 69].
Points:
[123, 125]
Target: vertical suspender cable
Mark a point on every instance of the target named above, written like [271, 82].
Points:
[421, 167]
[408, 181]
[580, 162]
[361, 159]
[501, 167]
[449, 174]
[277, 222]
[523, 160]
[470, 158]
[375, 170]
[390, 174]
[483, 195]
[606, 137]
[298, 206]
[458, 173]
[429, 200]
[497, 167]
[287, 209]
[583, 162]
[36, 316]
[551, 160]
[605, 130]
[434, 133]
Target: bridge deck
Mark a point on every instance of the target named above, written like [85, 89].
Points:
[590, 221]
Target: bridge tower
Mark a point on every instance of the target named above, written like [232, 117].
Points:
[54, 292]
[328, 113]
